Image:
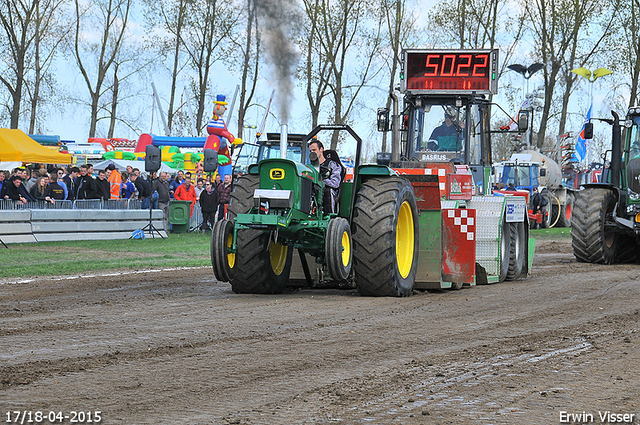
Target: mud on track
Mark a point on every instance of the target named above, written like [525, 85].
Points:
[179, 347]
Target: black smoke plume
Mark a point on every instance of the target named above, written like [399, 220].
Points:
[279, 19]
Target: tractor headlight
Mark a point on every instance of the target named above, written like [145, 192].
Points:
[633, 209]
[633, 196]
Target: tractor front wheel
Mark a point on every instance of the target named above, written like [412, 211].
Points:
[261, 266]
[338, 249]
[385, 237]
[223, 262]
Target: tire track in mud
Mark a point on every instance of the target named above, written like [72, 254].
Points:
[421, 388]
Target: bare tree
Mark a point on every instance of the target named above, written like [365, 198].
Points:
[110, 18]
[249, 49]
[130, 61]
[582, 49]
[351, 48]
[628, 61]
[211, 24]
[399, 24]
[49, 34]
[472, 24]
[17, 19]
[314, 68]
[559, 27]
[173, 16]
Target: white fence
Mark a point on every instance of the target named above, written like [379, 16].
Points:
[46, 225]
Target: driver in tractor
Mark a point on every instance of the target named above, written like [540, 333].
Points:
[332, 173]
[445, 137]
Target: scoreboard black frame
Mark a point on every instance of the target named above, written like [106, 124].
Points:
[449, 71]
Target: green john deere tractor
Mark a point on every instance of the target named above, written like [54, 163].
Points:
[276, 209]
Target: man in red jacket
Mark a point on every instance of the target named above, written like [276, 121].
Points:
[186, 192]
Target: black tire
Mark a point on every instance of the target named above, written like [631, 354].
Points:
[566, 212]
[241, 200]
[591, 242]
[627, 250]
[258, 269]
[505, 249]
[385, 237]
[338, 249]
[223, 262]
[547, 211]
[517, 250]
[255, 272]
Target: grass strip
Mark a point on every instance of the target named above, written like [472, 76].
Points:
[76, 257]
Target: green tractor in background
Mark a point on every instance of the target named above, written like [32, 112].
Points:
[276, 209]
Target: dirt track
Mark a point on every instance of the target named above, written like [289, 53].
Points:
[179, 347]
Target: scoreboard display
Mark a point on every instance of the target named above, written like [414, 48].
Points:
[449, 71]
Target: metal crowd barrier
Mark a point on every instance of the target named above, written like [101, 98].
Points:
[79, 204]
[196, 217]
[122, 204]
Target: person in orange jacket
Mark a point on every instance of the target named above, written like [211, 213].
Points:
[115, 181]
[186, 192]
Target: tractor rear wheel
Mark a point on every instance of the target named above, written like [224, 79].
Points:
[241, 200]
[222, 261]
[260, 267]
[591, 241]
[385, 237]
[338, 249]
[517, 250]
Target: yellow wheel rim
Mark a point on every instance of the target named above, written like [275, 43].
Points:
[346, 249]
[404, 240]
[278, 256]
[231, 257]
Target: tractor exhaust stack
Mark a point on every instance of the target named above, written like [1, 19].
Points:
[283, 141]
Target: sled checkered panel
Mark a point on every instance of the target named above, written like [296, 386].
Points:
[462, 222]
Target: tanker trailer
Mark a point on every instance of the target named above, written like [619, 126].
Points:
[528, 169]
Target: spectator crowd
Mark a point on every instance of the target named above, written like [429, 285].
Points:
[155, 190]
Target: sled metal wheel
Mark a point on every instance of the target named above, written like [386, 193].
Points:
[517, 250]
[338, 251]
[505, 250]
